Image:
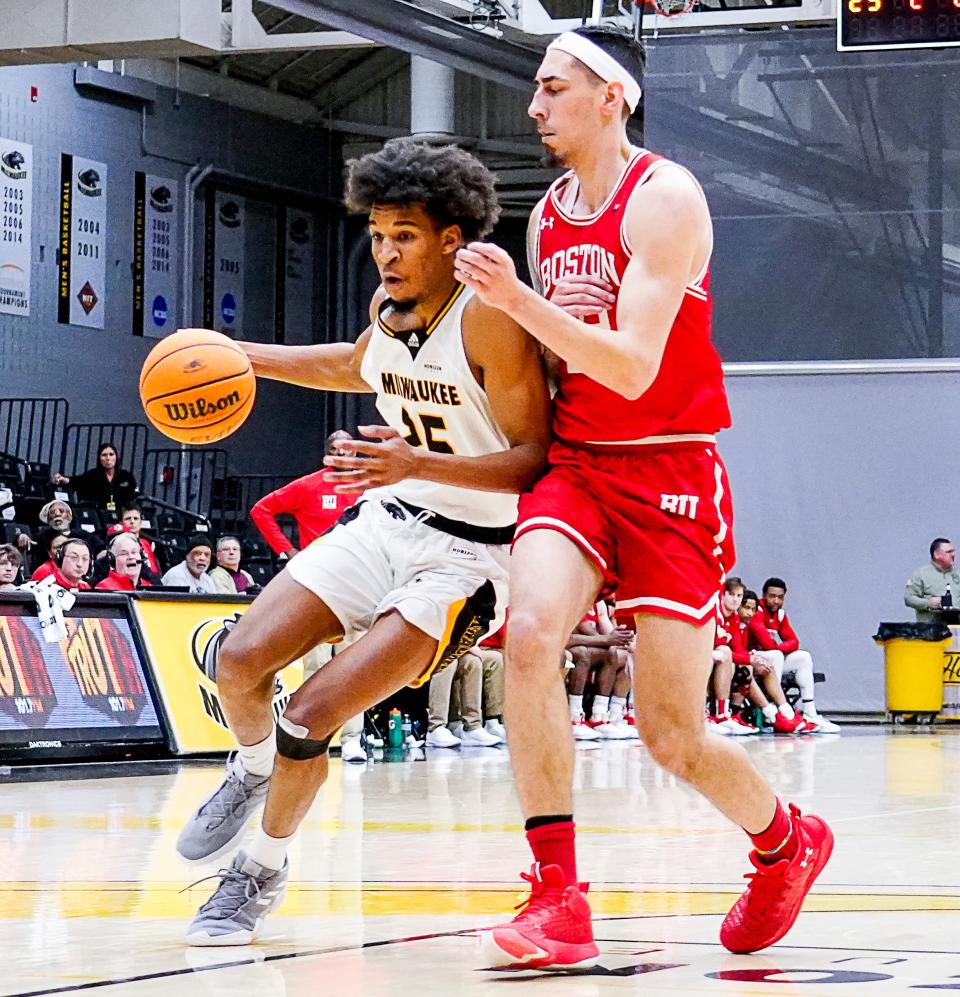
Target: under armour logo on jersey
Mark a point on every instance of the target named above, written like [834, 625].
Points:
[807, 855]
[546, 223]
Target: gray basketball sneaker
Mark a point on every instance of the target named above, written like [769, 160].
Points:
[221, 819]
[234, 914]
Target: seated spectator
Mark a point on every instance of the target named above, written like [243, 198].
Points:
[49, 541]
[770, 631]
[72, 560]
[726, 651]
[935, 586]
[10, 562]
[126, 562]
[468, 673]
[312, 502]
[191, 572]
[490, 653]
[599, 647]
[228, 576]
[148, 577]
[737, 607]
[131, 516]
[107, 486]
[59, 516]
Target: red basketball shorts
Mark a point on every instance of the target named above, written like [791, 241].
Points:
[656, 520]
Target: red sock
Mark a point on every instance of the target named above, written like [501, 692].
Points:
[778, 841]
[723, 708]
[555, 844]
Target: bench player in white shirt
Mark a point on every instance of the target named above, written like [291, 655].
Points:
[418, 566]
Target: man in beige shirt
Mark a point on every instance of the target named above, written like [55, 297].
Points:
[935, 586]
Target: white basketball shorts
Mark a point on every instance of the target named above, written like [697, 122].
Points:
[380, 557]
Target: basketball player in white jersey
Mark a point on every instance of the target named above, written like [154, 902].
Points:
[418, 566]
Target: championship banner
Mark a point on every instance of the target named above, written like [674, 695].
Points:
[16, 225]
[183, 638]
[223, 263]
[295, 276]
[89, 687]
[155, 212]
[83, 242]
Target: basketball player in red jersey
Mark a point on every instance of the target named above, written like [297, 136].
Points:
[636, 497]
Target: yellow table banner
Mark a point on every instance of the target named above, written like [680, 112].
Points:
[182, 637]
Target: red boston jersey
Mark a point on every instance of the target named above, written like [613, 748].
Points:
[772, 631]
[687, 396]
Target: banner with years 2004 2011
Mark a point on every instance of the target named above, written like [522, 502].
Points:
[182, 639]
[83, 242]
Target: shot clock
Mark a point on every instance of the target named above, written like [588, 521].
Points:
[887, 24]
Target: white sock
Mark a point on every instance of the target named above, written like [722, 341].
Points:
[787, 711]
[601, 707]
[618, 706]
[257, 759]
[770, 713]
[576, 708]
[267, 851]
[809, 708]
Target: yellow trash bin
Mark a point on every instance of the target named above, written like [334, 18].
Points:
[914, 670]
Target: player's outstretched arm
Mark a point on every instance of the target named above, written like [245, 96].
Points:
[326, 366]
[668, 225]
[507, 362]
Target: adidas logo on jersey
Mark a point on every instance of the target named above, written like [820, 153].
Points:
[414, 341]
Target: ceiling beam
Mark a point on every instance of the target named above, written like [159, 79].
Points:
[404, 26]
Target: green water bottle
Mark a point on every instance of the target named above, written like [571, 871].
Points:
[394, 729]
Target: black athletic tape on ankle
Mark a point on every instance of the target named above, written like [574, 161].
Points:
[533, 822]
[296, 746]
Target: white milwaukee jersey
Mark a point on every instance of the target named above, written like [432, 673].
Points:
[428, 393]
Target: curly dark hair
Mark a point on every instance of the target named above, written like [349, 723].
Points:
[454, 187]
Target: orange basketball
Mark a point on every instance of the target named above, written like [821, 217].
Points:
[197, 386]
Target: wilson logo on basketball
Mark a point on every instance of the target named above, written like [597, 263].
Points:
[182, 411]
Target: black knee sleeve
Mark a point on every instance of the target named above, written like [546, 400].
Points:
[293, 743]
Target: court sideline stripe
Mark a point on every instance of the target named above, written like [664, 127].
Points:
[464, 932]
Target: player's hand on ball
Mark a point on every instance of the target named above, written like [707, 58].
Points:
[584, 295]
[363, 465]
[488, 270]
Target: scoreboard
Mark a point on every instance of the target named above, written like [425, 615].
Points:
[889, 24]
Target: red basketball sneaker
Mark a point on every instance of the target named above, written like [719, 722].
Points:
[772, 901]
[552, 930]
[781, 725]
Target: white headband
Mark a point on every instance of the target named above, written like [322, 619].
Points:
[603, 64]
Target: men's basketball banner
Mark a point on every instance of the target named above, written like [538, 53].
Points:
[88, 687]
[83, 242]
[155, 228]
[183, 640]
[224, 263]
[16, 217]
[296, 239]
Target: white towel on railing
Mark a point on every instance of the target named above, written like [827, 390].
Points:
[52, 602]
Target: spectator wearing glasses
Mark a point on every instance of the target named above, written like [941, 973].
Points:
[131, 516]
[73, 559]
[228, 577]
[126, 562]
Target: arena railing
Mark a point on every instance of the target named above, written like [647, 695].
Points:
[83, 439]
[33, 429]
[184, 477]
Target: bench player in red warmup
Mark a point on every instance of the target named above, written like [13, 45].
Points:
[635, 499]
